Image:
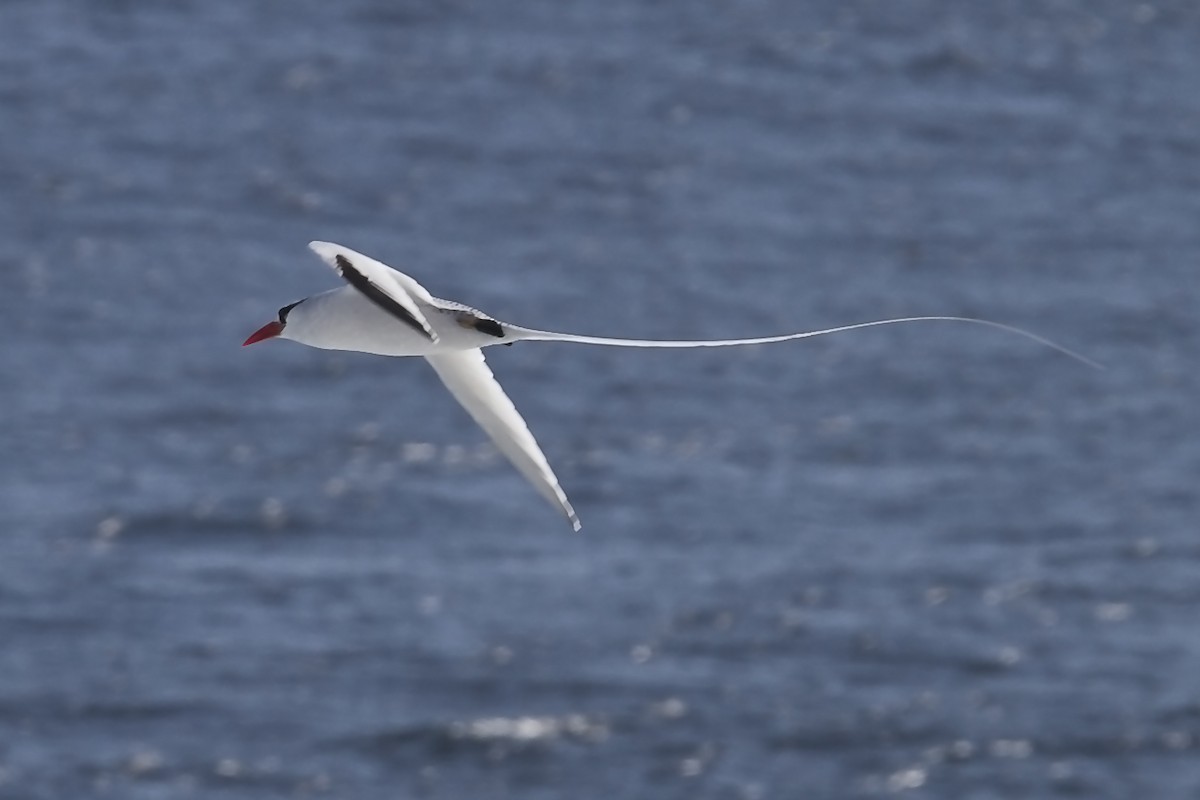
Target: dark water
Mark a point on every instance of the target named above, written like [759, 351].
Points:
[930, 561]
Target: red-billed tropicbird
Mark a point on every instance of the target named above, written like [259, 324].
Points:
[384, 311]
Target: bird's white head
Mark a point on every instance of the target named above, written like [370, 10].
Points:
[273, 328]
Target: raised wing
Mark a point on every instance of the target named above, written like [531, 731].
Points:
[517, 333]
[393, 291]
[468, 378]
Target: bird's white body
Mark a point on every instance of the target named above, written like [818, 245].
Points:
[343, 319]
[385, 312]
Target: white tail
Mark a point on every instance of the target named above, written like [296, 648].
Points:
[518, 333]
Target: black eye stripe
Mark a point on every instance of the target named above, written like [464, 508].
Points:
[283, 312]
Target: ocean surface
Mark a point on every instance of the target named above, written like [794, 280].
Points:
[925, 561]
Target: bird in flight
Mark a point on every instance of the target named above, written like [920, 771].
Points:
[385, 312]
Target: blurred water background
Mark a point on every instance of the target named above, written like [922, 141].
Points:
[931, 561]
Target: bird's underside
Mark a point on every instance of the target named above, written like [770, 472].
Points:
[386, 312]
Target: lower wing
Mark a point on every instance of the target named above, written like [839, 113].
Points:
[468, 378]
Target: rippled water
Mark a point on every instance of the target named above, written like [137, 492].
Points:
[930, 561]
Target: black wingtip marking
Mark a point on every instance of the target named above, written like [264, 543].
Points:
[351, 273]
[376, 295]
[490, 327]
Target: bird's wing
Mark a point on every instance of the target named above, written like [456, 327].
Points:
[393, 291]
[517, 333]
[468, 378]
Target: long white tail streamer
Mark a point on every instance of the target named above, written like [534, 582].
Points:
[530, 334]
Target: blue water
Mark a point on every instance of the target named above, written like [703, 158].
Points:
[933, 561]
